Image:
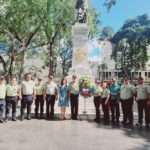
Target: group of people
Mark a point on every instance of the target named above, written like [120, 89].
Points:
[109, 96]
[28, 92]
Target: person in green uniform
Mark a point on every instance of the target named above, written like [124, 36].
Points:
[12, 94]
[51, 95]
[142, 98]
[74, 97]
[105, 102]
[28, 91]
[39, 101]
[127, 92]
[2, 98]
[97, 90]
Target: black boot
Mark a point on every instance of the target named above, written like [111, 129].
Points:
[14, 119]
[36, 115]
[22, 115]
[1, 120]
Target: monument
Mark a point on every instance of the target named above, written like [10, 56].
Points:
[80, 65]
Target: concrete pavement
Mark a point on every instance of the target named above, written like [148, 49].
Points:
[71, 135]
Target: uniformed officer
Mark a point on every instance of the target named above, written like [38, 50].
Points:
[127, 92]
[114, 101]
[51, 95]
[142, 97]
[74, 97]
[105, 102]
[39, 101]
[28, 90]
[2, 98]
[12, 94]
[97, 90]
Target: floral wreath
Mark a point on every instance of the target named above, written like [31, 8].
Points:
[85, 84]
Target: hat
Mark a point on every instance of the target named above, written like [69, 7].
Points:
[97, 81]
[74, 76]
[2, 77]
[39, 78]
[51, 77]
[114, 79]
[126, 79]
[140, 78]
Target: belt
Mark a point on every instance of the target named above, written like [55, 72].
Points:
[11, 96]
[74, 94]
[127, 99]
[142, 99]
[114, 93]
[2, 99]
[28, 95]
[50, 95]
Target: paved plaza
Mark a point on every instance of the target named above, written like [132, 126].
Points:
[71, 135]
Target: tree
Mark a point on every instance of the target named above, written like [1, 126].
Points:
[21, 22]
[106, 33]
[66, 56]
[132, 41]
[109, 3]
[57, 20]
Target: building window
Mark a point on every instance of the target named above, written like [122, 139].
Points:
[149, 74]
[139, 73]
[106, 74]
[145, 74]
[109, 73]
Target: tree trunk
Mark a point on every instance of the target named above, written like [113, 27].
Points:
[11, 68]
[22, 64]
[51, 61]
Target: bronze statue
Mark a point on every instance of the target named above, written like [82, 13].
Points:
[81, 11]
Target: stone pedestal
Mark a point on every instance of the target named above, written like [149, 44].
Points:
[80, 65]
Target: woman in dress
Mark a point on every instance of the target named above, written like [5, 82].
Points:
[63, 97]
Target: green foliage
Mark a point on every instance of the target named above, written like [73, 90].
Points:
[85, 82]
[26, 26]
[131, 45]
[106, 33]
[109, 3]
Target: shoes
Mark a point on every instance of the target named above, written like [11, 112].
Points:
[6, 119]
[14, 119]
[147, 126]
[97, 120]
[28, 117]
[2, 121]
[113, 122]
[139, 124]
[41, 117]
[36, 116]
[22, 118]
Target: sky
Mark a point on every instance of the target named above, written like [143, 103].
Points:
[123, 10]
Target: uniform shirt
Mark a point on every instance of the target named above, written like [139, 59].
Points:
[97, 90]
[74, 88]
[114, 91]
[142, 91]
[105, 93]
[28, 87]
[2, 91]
[39, 89]
[127, 91]
[12, 90]
[51, 88]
